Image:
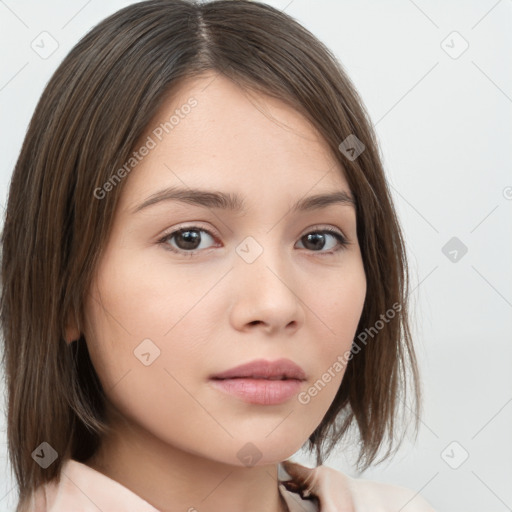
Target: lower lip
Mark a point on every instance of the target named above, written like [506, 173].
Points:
[259, 391]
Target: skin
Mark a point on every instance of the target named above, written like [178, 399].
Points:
[176, 438]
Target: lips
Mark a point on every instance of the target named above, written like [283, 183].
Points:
[282, 369]
[261, 382]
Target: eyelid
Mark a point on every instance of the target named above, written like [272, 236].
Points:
[322, 227]
[189, 225]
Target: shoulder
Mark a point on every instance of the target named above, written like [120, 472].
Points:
[369, 495]
[41, 497]
[81, 488]
[335, 488]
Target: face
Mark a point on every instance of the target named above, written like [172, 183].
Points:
[187, 289]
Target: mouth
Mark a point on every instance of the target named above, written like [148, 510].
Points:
[282, 369]
[261, 382]
[259, 390]
[255, 377]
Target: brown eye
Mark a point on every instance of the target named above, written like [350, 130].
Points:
[187, 240]
[317, 240]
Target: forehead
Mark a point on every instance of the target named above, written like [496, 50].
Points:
[211, 133]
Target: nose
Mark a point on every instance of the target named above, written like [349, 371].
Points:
[266, 295]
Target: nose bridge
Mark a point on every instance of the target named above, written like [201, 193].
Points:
[266, 277]
[263, 255]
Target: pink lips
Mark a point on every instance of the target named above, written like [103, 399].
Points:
[261, 382]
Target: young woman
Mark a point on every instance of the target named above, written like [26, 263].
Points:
[202, 272]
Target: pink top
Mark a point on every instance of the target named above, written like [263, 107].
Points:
[83, 489]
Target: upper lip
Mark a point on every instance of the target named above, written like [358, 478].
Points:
[262, 369]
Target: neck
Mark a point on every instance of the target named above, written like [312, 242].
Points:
[171, 479]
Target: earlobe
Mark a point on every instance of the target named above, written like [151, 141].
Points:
[72, 331]
[71, 335]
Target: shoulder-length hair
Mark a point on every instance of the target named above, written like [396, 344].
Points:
[95, 107]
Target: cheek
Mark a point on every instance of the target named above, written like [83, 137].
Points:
[146, 376]
[148, 295]
[339, 307]
[147, 324]
[338, 311]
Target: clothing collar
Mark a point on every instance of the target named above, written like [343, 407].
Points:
[84, 489]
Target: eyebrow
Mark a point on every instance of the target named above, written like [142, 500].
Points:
[233, 202]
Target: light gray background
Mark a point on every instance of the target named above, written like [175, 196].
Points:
[443, 122]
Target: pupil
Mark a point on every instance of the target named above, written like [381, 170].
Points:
[191, 239]
[317, 240]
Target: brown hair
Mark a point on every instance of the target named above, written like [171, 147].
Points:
[88, 119]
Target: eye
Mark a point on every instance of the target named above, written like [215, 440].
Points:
[318, 240]
[188, 240]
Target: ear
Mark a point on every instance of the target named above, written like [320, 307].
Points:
[72, 331]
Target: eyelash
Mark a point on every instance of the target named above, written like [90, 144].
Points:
[342, 241]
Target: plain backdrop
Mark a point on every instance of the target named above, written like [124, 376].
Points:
[437, 82]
